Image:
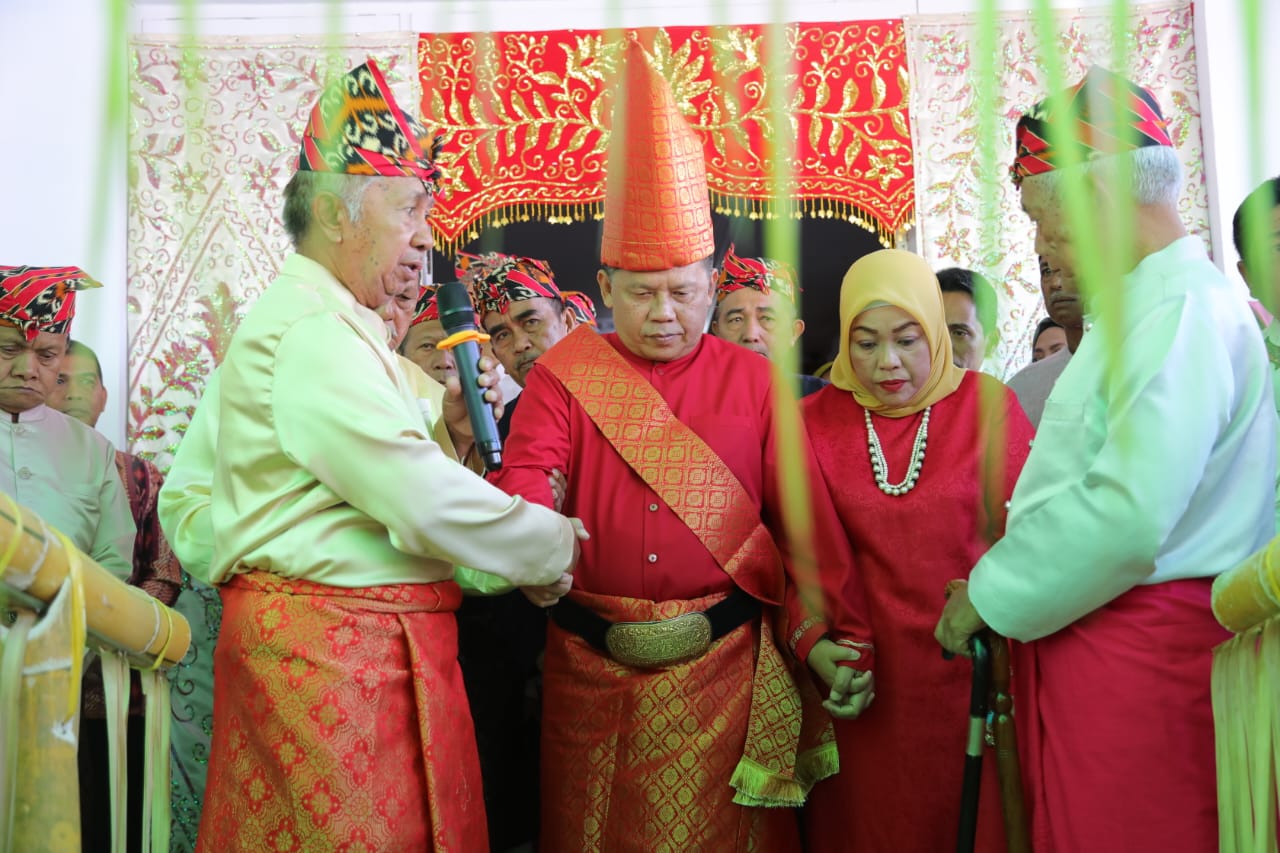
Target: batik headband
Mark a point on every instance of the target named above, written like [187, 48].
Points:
[356, 128]
[496, 280]
[582, 306]
[426, 308]
[763, 274]
[41, 299]
[1102, 114]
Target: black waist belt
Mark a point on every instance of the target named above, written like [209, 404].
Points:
[660, 643]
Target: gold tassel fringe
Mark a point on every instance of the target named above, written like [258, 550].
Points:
[563, 213]
[555, 213]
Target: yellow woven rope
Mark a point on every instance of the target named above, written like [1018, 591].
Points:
[164, 650]
[75, 574]
[11, 547]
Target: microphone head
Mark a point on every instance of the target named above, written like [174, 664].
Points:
[454, 304]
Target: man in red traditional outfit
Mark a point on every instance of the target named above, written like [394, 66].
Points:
[1152, 472]
[671, 718]
[501, 637]
[340, 719]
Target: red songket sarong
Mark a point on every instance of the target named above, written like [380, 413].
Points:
[340, 721]
[1115, 725]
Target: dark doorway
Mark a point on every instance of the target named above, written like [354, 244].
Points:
[827, 248]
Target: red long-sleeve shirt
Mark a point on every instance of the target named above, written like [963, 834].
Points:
[639, 548]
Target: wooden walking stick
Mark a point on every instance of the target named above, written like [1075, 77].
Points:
[1005, 741]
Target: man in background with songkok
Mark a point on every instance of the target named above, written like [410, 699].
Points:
[339, 714]
[754, 296]
[425, 331]
[1034, 382]
[1152, 471]
[501, 638]
[521, 308]
[54, 464]
[80, 394]
[668, 442]
[970, 301]
[66, 472]
[582, 306]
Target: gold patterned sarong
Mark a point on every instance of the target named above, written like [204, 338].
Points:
[340, 721]
[640, 760]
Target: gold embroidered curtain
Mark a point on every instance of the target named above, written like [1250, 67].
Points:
[526, 120]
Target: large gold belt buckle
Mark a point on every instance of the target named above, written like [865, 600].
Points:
[662, 643]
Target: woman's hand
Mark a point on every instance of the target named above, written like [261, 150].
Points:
[851, 690]
[825, 656]
[851, 694]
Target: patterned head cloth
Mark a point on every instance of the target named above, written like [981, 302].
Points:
[581, 306]
[1088, 114]
[356, 128]
[41, 299]
[426, 308]
[763, 274]
[496, 280]
[657, 213]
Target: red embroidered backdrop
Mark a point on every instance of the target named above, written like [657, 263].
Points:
[526, 117]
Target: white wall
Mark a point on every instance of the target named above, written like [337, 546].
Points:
[53, 59]
[53, 56]
[1225, 98]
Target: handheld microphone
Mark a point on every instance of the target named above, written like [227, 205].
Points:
[459, 320]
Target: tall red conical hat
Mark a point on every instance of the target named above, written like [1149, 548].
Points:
[657, 213]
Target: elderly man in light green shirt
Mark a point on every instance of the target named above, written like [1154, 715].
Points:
[337, 520]
[1152, 472]
[185, 497]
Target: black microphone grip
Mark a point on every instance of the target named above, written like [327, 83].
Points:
[457, 315]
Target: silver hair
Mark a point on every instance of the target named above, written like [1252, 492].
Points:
[302, 190]
[1155, 175]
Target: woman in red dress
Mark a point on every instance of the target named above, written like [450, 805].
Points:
[920, 457]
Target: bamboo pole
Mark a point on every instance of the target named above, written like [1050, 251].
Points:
[1250, 593]
[44, 801]
[35, 560]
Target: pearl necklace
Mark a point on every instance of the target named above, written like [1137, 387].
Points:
[880, 467]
